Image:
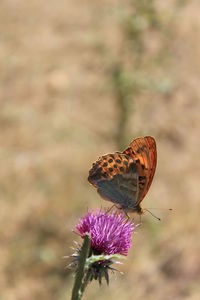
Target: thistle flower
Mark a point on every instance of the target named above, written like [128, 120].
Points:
[110, 237]
[109, 233]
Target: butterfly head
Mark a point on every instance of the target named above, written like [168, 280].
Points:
[139, 210]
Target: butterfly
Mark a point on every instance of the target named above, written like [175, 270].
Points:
[124, 178]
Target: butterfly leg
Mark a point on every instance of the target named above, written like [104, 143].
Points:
[128, 217]
[111, 208]
[140, 219]
[125, 212]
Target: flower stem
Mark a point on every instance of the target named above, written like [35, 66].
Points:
[86, 279]
[77, 291]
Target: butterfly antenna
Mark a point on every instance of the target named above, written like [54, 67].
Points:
[159, 208]
[152, 214]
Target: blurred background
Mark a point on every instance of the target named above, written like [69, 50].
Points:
[80, 79]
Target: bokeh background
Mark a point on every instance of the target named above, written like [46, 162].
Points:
[79, 79]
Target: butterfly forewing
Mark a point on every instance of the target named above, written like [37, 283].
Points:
[153, 160]
[143, 151]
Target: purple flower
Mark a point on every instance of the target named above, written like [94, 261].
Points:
[109, 233]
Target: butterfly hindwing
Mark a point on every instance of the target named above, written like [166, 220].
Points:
[116, 178]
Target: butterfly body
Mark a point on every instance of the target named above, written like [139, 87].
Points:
[125, 177]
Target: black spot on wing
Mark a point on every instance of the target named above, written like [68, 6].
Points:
[126, 163]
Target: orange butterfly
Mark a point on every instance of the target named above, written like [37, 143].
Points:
[125, 178]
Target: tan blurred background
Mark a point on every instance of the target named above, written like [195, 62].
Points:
[67, 96]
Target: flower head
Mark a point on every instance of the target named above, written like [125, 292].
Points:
[109, 233]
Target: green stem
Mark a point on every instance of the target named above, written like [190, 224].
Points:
[77, 292]
[85, 282]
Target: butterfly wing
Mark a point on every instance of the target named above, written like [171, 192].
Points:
[143, 152]
[116, 178]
